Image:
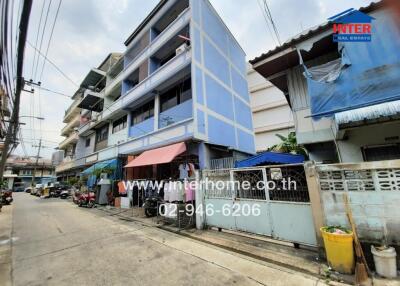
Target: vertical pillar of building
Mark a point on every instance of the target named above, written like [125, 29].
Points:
[156, 110]
[128, 123]
[204, 156]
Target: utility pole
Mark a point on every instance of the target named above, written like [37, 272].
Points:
[13, 125]
[36, 163]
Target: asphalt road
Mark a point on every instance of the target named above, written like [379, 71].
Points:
[54, 242]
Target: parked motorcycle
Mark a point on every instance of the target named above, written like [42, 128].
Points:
[64, 194]
[87, 200]
[6, 197]
[151, 205]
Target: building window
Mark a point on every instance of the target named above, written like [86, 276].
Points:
[176, 95]
[379, 153]
[102, 133]
[87, 142]
[142, 113]
[119, 124]
[27, 172]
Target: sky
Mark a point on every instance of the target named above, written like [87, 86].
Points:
[86, 31]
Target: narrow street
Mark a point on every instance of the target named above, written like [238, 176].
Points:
[56, 243]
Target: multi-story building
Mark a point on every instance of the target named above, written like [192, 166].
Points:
[182, 79]
[271, 112]
[344, 96]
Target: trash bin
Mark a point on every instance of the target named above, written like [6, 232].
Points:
[339, 250]
[385, 261]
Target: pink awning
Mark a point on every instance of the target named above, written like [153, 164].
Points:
[158, 156]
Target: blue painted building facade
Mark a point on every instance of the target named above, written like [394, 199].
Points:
[181, 78]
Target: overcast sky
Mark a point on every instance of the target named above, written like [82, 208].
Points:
[87, 30]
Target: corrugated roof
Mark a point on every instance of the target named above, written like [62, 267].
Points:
[375, 112]
[306, 34]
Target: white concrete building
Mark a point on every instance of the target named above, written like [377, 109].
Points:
[271, 112]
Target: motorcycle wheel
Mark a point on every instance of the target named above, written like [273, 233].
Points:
[90, 204]
[149, 212]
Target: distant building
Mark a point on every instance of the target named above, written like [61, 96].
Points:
[57, 157]
[271, 112]
[20, 170]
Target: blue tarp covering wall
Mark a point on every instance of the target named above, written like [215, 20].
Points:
[270, 158]
[372, 77]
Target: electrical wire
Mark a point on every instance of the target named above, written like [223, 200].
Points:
[37, 38]
[53, 64]
[51, 36]
[269, 15]
[41, 38]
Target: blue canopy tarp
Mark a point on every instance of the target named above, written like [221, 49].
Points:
[270, 158]
[100, 165]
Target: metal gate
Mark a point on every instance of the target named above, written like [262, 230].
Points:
[265, 205]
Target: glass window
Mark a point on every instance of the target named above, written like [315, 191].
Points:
[143, 113]
[102, 133]
[119, 124]
[87, 142]
[176, 95]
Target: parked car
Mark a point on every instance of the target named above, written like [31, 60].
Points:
[18, 187]
[37, 190]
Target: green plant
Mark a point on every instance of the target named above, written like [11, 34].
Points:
[107, 170]
[72, 181]
[288, 145]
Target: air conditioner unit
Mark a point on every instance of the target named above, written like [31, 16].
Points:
[182, 48]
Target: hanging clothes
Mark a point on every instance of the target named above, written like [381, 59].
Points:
[189, 192]
[121, 188]
[183, 171]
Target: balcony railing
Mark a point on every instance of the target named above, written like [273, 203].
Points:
[70, 125]
[73, 107]
[173, 28]
[70, 139]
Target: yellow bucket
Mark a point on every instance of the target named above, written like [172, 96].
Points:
[339, 251]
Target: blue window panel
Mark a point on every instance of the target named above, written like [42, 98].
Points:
[197, 45]
[195, 7]
[213, 26]
[239, 85]
[216, 63]
[243, 114]
[175, 114]
[237, 56]
[220, 132]
[201, 122]
[246, 141]
[199, 85]
[142, 128]
[219, 99]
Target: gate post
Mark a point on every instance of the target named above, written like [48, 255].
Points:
[199, 199]
[315, 200]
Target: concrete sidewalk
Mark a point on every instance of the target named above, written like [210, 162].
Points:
[283, 254]
[5, 245]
